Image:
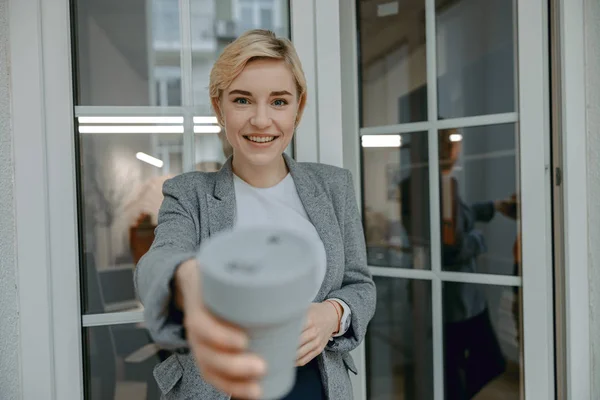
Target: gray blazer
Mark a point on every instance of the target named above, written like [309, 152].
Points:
[197, 205]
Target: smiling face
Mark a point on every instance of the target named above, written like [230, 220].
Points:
[260, 111]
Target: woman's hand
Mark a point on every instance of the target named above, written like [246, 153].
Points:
[507, 207]
[323, 320]
[219, 347]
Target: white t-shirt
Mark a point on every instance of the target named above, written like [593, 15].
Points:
[281, 205]
[276, 206]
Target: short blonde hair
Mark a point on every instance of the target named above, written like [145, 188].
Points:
[253, 45]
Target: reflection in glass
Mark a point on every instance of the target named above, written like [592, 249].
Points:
[399, 342]
[121, 192]
[212, 150]
[120, 360]
[128, 53]
[220, 22]
[475, 57]
[482, 352]
[392, 62]
[479, 201]
[396, 200]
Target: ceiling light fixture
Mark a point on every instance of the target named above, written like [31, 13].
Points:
[131, 129]
[130, 120]
[381, 141]
[149, 159]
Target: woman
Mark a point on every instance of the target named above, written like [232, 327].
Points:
[258, 92]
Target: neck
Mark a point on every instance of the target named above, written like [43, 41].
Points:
[260, 176]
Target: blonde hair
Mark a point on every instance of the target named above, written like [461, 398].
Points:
[254, 45]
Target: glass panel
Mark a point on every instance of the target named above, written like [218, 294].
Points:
[399, 342]
[211, 151]
[482, 351]
[393, 66]
[119, 365]
[247, 17]
[479, 200]
[121, 178]
[221, 22]
[123, 49]
[396, 200]
[266, 17]
[475, 57]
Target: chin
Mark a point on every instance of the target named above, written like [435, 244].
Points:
[262, 159]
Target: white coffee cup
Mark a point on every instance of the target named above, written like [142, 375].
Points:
[262, 279]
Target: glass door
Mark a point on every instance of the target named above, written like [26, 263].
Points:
[143, 115]
[447, 133]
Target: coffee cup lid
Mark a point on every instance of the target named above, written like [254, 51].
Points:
[257, 275]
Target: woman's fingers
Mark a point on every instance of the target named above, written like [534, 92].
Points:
[307, 358]
[206, 328]
[304, 350]
[237, 389]
[232, 366]
[308, 335]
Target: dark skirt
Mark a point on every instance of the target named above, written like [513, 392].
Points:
[308, 383]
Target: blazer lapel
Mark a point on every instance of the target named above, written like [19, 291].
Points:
[221, 203]
[320, 210]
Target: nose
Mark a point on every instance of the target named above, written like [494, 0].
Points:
[261, 118]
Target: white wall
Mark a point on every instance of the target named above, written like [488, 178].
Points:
[592, 32]
[10, 387]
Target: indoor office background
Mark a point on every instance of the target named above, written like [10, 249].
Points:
[437, 132]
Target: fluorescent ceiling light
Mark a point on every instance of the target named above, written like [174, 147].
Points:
[130, 120]
[455, 137]
[131, 129]
[207, 129]
[387, 9]
[381, 141]
[149, 159]
[205, 120]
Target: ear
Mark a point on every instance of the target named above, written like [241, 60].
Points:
[301, 106]
[216, 105]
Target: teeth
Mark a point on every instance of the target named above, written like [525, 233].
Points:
[261, 139]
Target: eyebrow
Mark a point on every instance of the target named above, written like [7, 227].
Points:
[275, 93]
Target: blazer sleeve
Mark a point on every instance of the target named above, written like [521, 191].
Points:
[175, 242]
[358, 289]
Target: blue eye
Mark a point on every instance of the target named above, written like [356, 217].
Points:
[241, 100]
[280, 102]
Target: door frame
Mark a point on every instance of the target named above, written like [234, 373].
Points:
[572, 130]
[533, 119]
[46, 212]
